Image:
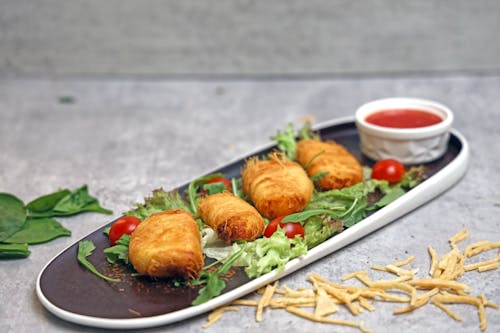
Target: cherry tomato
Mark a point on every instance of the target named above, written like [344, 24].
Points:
[272, 226]
[222, 180]
[291, 228]
[389, 169]
[124, 225]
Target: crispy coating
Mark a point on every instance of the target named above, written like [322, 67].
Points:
[277, 186]
[341, 166]
[231, 217]
[167, 244]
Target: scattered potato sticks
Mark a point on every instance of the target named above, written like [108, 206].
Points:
[326, 297]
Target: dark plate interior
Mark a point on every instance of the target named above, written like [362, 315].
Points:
[70, 287]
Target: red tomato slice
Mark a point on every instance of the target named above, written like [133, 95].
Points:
[124, 225]
[389, 169]
[291, 228]
[272, 226]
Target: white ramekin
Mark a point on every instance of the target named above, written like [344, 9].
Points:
[408, 145]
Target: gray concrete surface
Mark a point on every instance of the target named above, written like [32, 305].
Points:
[126, 137]
[245, 37]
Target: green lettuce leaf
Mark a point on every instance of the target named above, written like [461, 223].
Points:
[158, 202]
[265, 254]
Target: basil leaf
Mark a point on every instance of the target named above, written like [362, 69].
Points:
[47, 202]
[85, 249]
[13, 251]
[35, 231]
[12, 215]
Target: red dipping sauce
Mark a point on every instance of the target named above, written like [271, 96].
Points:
[403, 118]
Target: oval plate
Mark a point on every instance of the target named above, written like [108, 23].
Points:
[74, 294]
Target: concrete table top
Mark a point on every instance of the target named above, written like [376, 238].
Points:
[125, 138]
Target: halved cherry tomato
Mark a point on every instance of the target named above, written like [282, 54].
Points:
[389, 169]
[124, 225]
[291, 228]
[272, 226]
[222, 180]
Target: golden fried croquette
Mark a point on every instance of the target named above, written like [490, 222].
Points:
[167, 244]
[341, 167]
[277, 187]
[231, 217]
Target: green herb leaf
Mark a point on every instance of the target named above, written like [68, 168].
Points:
[215, 286]
[214, 188]
[306, 214]
[118, 252]
[265, 254]
[193, 188]
[14, 251]
[214, 283]
[47, 202]
[306, 132]
[78, 201]
[389, 197]
[317, 229]
[35, 231]
[158, 202]
[85, 249]
[12, 215]
[286, 141]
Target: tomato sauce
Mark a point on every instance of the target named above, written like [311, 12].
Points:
[403, 118]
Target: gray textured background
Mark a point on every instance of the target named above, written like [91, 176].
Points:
[166, 90]
[225, 37]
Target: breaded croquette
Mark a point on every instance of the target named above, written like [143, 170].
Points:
[340, 167]
[277, 186]
[231, 217]
[167, 244]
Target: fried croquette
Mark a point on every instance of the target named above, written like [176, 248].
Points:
[167, 244]
[231, 217]
[277, 186]
[340, 167]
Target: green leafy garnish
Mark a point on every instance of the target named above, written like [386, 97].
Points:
[46, 203]
[265, 254]
[158, 202]
[12, 215]
[65, 203]
[14, 251]
[319, 228]
[85, 249]
[286, 142]
[236, 186]
[214, 283]
[214, 188]
[193, 188]
[118, 252]
[35, 231]
[21, 225]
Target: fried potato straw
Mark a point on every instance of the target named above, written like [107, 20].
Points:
[326, 296]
